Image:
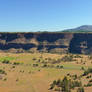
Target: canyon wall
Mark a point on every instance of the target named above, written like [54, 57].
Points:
[46, 42]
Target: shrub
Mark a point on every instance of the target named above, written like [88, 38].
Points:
[5, 79]
[13, 66]
[52, 86]
[58, 82]
[81, 89]
[17, 79]
[2, 71]
[35, 65]
[57, 89]
[74, 77]
[39, 60]
[88, 77]
[39, 70]
[56, 61]
[82, 68]
[90, 80]
[45, 65]
[58, 66]
[77, 83]
[77, 56]
[5, 61]
[88, 85]
[65, 85]
[86, 72]
[61, 66]
[34, 59]
[90, 57]
[67, 58]
[16, 63]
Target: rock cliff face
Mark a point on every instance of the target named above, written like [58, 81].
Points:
[81, 43]
[46, 42]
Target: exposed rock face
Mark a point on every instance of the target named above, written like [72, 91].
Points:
[46, 42]
[81, 43]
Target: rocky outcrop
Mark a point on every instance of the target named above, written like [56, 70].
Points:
[81, 43]
[46, 42]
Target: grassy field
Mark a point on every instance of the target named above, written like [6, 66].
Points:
[34, 72]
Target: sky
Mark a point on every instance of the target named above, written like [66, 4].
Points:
[44, 15]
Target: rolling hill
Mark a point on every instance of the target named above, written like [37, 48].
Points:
[83, 28]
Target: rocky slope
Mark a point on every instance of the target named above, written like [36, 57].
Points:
[46, 42]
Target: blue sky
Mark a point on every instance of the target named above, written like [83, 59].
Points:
[44, 15]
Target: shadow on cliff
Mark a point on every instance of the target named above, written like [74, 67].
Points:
[81, 44]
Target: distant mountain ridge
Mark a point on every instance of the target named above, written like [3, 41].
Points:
[83, 28]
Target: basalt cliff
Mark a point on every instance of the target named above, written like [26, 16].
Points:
[79, 43]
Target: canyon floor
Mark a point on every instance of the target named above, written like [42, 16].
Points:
[34, 72]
